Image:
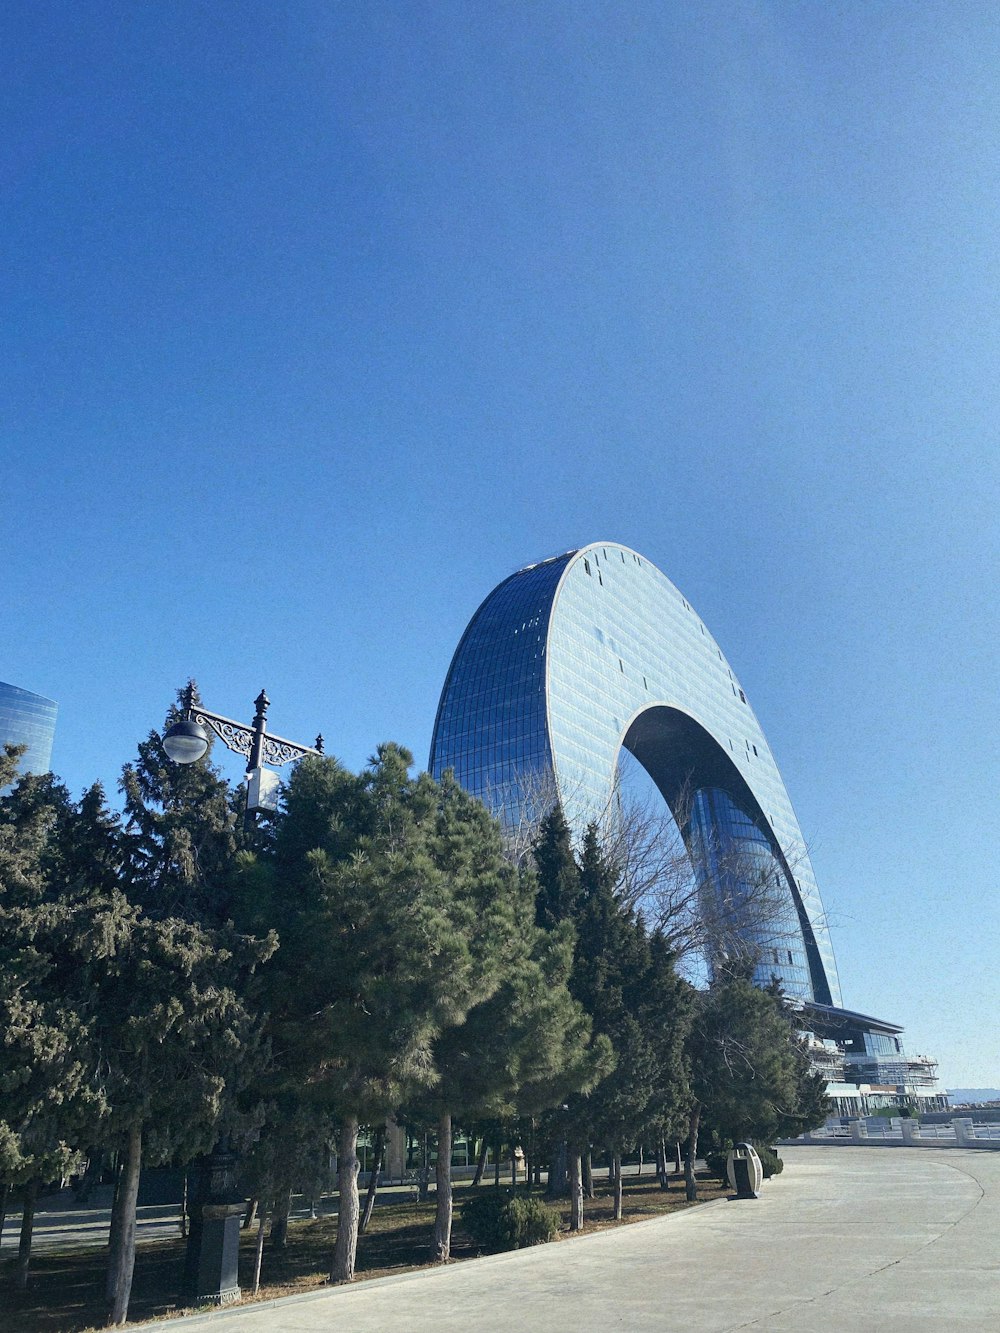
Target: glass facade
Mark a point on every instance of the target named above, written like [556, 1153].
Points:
[28, 719]
[491, 725]
[569, 661]
[743, 888]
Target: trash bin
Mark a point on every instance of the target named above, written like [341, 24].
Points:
[744, 1171]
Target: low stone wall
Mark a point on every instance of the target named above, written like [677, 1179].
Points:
[879, 1132]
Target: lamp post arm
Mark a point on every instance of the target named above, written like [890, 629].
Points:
[240, 738]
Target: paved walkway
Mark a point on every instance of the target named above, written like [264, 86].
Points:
[847, 1239]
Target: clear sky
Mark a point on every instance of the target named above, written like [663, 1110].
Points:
[321, 318]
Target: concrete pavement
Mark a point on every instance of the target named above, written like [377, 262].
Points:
[843, 1241]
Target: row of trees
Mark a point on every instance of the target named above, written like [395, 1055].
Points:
[169, 977]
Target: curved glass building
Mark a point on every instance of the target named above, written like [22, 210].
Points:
[570, 660]
[28, 719]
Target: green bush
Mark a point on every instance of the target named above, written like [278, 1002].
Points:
[716, 1163]
[771, 1163]
[499, 1220]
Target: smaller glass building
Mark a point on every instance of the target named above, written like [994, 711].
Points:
[28, 719]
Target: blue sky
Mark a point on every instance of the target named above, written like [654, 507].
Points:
[320, 319]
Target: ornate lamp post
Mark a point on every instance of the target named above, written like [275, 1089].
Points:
[188, 740]
[215, 1206]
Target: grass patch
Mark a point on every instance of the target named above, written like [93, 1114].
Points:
[65, 1292]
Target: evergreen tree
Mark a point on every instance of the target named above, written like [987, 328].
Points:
[121, 1026]
[557, 899]
[747, 1068]
[93, 850]
[666, 1012]
[628, 985]
[464, 844]
[518, 1052]
[325, 814]
[385, 891]
[810, 1105]
[185, 828]
[173, 1040]
[558, 874]
[175, 1032]
[46, 1100]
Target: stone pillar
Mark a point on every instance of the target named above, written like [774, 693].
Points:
[215, 1209]
[911, 1130]
[965, 1135]
[859, 1131]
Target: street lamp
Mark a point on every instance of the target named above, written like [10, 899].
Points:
[188, 739]
[215, 1206]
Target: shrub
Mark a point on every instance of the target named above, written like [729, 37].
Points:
[499, 1220]
[716, 1163]
[771, 1163]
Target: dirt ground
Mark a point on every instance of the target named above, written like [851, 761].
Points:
[65, 1292]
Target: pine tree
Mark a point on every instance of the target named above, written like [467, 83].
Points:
[385, 891]
[46, 1101]
[174, 1039]
[185, 828]
[558, 874]
[627, 983]
[121, 1026]
[175, 1032]
[666, 1012]
[464, 843]
[747, 1067]
[521, 1050]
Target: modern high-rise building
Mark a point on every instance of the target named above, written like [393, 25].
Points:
[570, 661]
[28, 719]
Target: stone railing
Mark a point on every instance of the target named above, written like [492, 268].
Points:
[881, 1132]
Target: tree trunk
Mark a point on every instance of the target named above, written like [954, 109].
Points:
[27, 1226]
[588, 1174]
[378, 1153]
[575, 1191]
[251, 1213]
[497, 1149]
[122, 1263]
[424, 1175]
[691, 1155]
[184, 1209]
[279, 1218]
[678, 1165]
[639, 1168]
[114, 1228]
[441, 1244]
[345, 1251]
[484, 1149]
[617, 1168]
[661, 1166]
[557, 1173]
[258, 1258]
[4, 1196]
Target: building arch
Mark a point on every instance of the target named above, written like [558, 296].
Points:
[572, 658]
